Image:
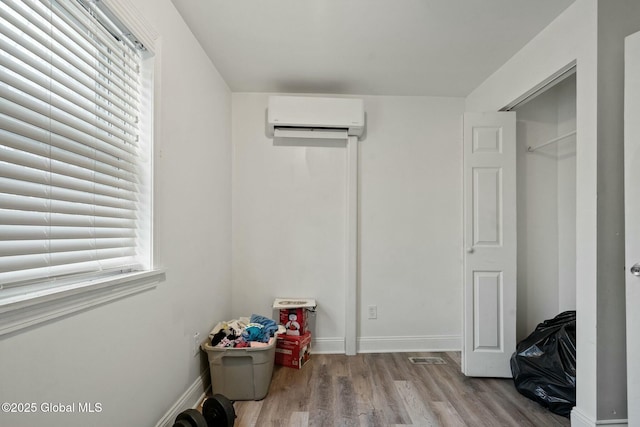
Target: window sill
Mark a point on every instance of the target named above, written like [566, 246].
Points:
[31, 308]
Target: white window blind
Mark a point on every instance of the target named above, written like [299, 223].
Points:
[72, 162]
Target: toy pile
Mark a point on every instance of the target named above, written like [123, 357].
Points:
[254, 331]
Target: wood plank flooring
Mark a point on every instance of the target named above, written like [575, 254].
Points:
[386, 389]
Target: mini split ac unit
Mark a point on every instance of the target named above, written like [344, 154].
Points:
[314, 117]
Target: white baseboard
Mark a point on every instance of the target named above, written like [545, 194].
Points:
[580, 419]
[390, 344]
[407, 344]
[613, 423]
[328, 345]
[189, 399]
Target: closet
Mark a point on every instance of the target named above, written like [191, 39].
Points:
[546, 205]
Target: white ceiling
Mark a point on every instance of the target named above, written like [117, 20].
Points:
[367, 47]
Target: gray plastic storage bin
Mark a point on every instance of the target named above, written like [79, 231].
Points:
[241, 373]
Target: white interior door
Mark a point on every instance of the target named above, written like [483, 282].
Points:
[490, 243]
[632, 220]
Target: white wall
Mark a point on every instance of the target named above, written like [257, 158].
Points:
[288, 221]
[289, 216]
[616, 20]
[134, 355]
[537, 213]
[546, 207]
[571, 37]
[591, 33]
[411, 223]
[566, 155]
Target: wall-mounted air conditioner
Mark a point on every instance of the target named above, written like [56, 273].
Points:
[314, 117]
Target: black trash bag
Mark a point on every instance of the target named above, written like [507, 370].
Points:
[544, 364]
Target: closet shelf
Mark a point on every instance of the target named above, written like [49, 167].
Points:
[561, 137]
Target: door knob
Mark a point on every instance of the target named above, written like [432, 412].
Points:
[635, 270]
[470, 251]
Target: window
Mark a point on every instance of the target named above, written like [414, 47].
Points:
[75, 156]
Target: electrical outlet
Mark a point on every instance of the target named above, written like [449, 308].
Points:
[373, 312]
[196, 344]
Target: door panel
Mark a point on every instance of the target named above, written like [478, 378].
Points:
[490, 243]
[632, 219]
[487, 292]
[487, 206]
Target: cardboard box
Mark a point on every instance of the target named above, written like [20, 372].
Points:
[295, 320]
[293, 351]
[294, 314]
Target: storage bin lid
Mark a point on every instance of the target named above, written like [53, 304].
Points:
[282, 303]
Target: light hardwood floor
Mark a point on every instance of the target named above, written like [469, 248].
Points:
[388, 390]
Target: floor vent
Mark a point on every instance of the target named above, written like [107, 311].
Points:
[427, 361]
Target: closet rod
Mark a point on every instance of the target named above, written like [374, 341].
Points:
[567, 135]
